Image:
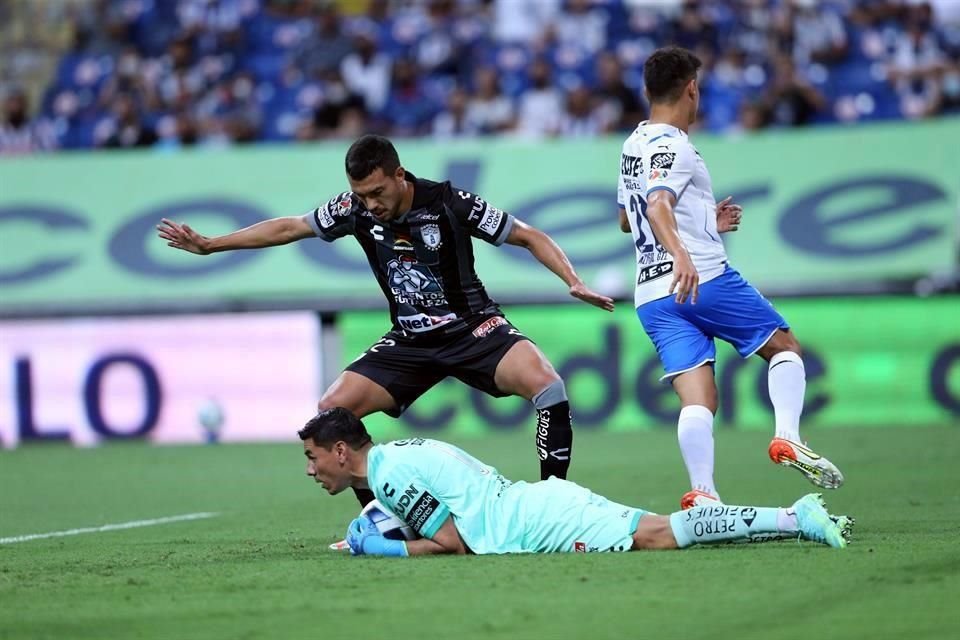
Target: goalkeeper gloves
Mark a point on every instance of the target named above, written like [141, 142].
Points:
[365, 539]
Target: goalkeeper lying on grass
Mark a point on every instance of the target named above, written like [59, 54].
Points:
[460, 505]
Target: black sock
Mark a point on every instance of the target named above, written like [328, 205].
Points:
[365, 496]
[554, 440]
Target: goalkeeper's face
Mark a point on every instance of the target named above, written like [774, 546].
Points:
[328, 467]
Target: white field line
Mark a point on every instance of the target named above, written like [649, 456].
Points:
[109, 527]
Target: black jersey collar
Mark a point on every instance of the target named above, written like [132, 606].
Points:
[420, 196]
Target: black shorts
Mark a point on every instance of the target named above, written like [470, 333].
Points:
[407, 367]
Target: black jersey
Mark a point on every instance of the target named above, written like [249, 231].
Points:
[423, 260]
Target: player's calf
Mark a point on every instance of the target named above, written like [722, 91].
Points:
[728, 523]
[554, 430]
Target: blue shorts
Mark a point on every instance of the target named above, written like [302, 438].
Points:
[728, 307]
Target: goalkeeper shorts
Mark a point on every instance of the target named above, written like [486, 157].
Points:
[561, 516]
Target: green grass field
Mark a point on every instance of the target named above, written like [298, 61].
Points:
[260, 569]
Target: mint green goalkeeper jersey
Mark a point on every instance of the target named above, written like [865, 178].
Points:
[426, 481]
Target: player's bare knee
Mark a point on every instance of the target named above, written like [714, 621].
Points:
[781, 342]
[705, 397]
[793, 344]
[534, 383]
[546, 381]
[654, 532]
[710, 399]
[329, 400]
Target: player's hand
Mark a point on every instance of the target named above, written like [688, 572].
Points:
[364, 539]
[581, 292]
[728, 215]
[358, 532]
[686, 280]
[181, 236]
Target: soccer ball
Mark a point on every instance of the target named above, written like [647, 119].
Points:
[387, 523]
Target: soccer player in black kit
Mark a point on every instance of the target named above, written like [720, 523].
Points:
[417, 236]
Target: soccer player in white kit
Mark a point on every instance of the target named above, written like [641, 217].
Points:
[686, 292]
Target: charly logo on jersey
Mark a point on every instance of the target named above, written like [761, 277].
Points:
[431, 236]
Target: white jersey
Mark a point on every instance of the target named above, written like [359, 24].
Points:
[660, 156]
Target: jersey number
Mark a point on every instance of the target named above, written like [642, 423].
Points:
[638, 207]
[382, 342]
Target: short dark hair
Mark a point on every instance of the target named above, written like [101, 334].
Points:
[370, 153]
[333, 425]
[667, 71]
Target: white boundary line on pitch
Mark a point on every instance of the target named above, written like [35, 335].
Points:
[109, 527]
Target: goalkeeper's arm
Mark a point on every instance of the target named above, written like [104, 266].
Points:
[446, 540]
[364, 539]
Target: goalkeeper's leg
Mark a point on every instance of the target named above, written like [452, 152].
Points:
[807, 518]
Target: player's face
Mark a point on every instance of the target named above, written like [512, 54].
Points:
[327, 467]
[381, 193]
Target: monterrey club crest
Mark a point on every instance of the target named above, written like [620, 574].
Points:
[431, 235]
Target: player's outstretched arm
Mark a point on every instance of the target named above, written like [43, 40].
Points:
[552, 256]
[269, 233]
[686, 280]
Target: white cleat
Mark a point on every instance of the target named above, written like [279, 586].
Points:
[339, 546]
[815, 467]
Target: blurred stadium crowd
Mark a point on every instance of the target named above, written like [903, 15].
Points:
[172, 73]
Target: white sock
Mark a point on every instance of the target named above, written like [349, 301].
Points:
[695, 434]
[705, 525]
[787, 380]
